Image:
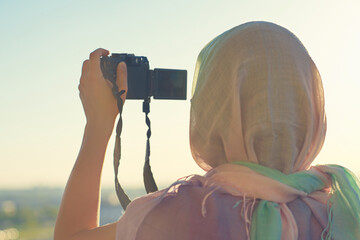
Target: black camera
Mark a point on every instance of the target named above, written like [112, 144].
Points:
[143, 82]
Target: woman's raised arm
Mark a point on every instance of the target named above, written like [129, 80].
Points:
[78, 216]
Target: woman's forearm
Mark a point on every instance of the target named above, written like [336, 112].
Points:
[79, 208]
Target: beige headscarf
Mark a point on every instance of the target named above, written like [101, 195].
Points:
[257, 97]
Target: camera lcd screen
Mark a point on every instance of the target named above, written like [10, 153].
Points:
[170, 84]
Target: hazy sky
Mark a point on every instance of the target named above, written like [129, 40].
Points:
[43, 45]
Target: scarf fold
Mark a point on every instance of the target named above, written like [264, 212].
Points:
[272, 219]
[344, 203]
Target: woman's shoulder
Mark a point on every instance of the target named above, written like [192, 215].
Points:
[192, 210]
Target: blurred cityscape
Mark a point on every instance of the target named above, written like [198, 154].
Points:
[31, 213]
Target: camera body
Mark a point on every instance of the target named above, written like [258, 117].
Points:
[143, 82]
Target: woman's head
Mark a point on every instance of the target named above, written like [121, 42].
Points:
[257, 97]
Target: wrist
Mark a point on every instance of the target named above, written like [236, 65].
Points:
[100, 129]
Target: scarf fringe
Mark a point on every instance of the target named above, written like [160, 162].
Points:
[327, 232]
[246, 211]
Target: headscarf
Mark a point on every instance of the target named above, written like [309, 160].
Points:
[257, 123]
[257, 97]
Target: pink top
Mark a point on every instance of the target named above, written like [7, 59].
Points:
[193, 210]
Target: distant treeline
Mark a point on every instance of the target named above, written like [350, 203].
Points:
[33, 211]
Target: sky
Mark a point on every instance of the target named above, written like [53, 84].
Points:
[43, 45]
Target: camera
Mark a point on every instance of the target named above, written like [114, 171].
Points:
[143, 82]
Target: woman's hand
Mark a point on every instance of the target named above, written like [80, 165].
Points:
[100, 106]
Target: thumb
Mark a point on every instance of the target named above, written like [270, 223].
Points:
[121, 79]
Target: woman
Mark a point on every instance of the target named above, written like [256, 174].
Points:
[257, 123]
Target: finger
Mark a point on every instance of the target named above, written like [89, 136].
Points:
[84, 70]
[121, 79]
[85, 67]
[95, 58]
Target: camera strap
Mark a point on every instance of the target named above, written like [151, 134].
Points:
[123, 198]
[149, 180]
